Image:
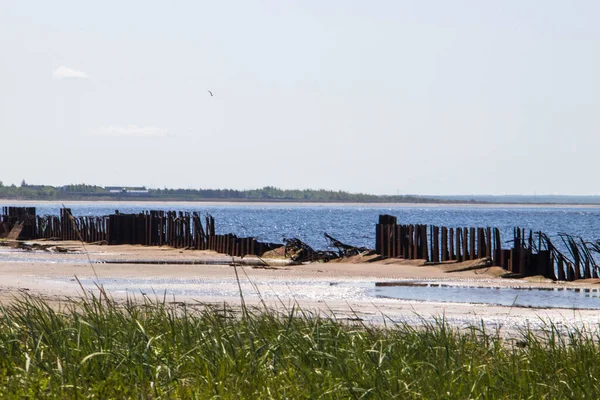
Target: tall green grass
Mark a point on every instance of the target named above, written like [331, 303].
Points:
[96, 348]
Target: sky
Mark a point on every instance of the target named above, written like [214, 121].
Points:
[383, 97]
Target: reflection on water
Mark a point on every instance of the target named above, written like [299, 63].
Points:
[272, 289]
[522, 297]
[321, 290]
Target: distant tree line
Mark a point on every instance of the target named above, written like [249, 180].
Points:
[270, 193]
[267, 193]
[47, 192]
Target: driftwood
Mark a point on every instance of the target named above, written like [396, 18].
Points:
[299, 251]
[345, 250]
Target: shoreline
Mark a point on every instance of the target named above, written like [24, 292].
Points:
[333, 287]
[8, 202]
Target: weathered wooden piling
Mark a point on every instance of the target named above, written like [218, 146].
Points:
[527, 256]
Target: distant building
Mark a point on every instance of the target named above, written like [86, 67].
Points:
[126, 190]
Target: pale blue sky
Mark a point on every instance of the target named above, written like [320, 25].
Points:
[421, 97]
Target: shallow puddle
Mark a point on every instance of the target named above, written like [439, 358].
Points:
[520, 297]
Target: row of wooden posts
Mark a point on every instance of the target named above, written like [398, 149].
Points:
[530, 254]
[14, 215]
[179, 230]
[435, 244]
[150, 228]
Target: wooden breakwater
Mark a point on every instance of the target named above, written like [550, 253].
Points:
[528, 253]
[17, 221]
[437, 244]
[531, 253]
[149, 228]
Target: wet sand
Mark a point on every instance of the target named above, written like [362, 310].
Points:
[326, 288]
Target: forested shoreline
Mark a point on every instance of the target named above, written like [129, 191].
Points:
[267, 194]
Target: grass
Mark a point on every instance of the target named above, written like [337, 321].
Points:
[96, 348]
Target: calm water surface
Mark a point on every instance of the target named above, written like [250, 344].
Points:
[521, 297]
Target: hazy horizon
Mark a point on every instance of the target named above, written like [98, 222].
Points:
[386, 97]
[424, 195]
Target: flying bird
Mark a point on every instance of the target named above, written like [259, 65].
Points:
[211, 95]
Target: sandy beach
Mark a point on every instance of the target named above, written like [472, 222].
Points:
[62, 270]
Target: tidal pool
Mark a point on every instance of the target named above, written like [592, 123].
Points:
[578, 298]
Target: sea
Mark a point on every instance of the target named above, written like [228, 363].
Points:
[354, 224]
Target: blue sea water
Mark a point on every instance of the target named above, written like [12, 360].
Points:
[355, 224]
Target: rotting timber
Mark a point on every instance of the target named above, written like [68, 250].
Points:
[150, 228]
[532, 253]
[156, 228]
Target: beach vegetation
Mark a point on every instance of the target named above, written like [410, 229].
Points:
[96, 347]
